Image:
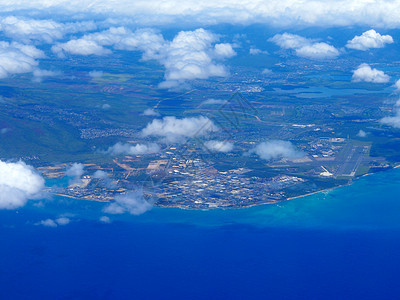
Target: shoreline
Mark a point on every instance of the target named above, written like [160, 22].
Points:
[243, 207]
[316, 192]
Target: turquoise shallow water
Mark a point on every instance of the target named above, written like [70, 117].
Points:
[341, 244]
[372, 202]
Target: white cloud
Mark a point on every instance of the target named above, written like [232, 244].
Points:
[213, 101]
[132, 202]
[106, 106]
[290, 41]
[54, 223]
[266, 72]
[80, 47]
[129, 149]
[96, 74]
[362, 133]
[224, 50]
[28, 50]
[99, 174]
[318, 51]
[304, 47]
[151, 112]
[29, 29]
[274, 12]
[219, 146]
[24, 29]
[38, 74]
[63, 221]
[369, 39]
[47, 223]
[75, 170]
[45, 73]
[105, 219]
[256, 51]
[365, 73]
[276, 149]
[190, 55]
[18, 183]
[17, 58]
[174, 129]
[397, 86]
[121, 38]
[393, 121]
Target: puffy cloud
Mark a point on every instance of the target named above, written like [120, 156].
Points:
[392, 121]
[290, 41]
[27, 29]
[224, 50]
[219, 146]
[99, 174]
[145, 40]
[17, 58]
[304, 47]
[24, 29]
[54, 223]
[80, 47]
[38, 74]
[174, 129]
[105, 219]
[47, 223]
[75, 170]
[190, 55]
[274, 12]
[18, 183]
[151, 112]
[395, 120]
[397, 86]
[318, 51]
[132, 202]
[28, 50]
[63, 221]
[369, 39]
[365, 73]
[276, 149]
[45, 73]
[129, 149]
[256, 51]
[149, 41]
[362, 133]
[266, 72]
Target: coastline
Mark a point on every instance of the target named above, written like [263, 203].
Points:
[242, 207]
[316, 192]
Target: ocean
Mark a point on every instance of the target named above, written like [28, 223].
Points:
[340, 244]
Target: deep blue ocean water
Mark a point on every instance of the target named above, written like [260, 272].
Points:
[341, 244]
